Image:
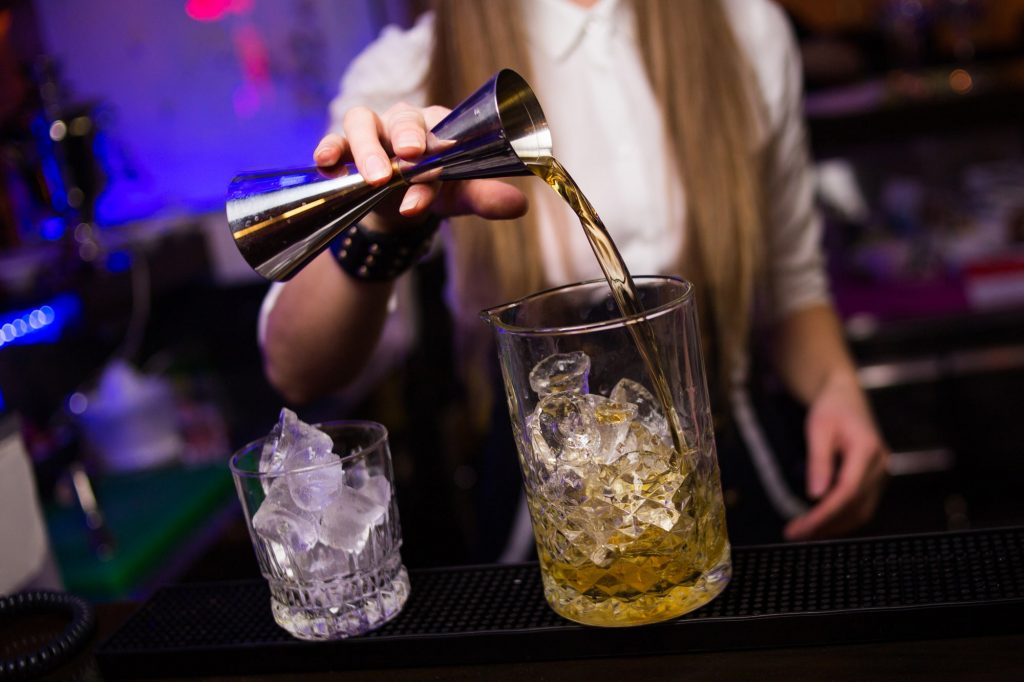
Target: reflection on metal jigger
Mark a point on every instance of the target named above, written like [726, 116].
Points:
[282, 219]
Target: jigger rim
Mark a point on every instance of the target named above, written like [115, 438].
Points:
[510, 81]
[492, 316]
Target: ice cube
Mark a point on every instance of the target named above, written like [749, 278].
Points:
[322, 563]
[272, 456]
[648, 411]
[378, 489]
[644, 466]
[602, 525]
[660, 513]
[613, 424]
[561, 373]
[314, 489]
[346, 523]
[541, 461]
[280, 520]
[305, 444]
[292, 438]
[643, 483]
[567, 484]
[564, 428]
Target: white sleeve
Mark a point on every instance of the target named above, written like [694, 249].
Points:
[795, 264]
[269, 301]
[391, 69]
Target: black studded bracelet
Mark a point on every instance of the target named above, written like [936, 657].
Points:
[374, 256]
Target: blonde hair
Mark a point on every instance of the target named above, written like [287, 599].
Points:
[711, 112]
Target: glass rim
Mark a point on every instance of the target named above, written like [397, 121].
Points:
[491, 315]
[382, 437]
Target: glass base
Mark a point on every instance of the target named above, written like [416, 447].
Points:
[595, 608]
[344, 607]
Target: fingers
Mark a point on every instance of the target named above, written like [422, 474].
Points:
[403, 130]
[330, 150]
[850, 503]
[417, 199]
[407, 130]
[432, 115]
[363, 129]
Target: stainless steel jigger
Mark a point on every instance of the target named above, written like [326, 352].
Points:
[282, 219]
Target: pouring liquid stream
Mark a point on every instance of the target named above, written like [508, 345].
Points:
[622, 287]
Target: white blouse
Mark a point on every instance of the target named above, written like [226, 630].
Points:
[607, 131]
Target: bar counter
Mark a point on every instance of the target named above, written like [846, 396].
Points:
[963, 658]
[935, 606]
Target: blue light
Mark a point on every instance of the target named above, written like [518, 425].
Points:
[119, 261]
[52, 229]
[2, 405]
[43, 324]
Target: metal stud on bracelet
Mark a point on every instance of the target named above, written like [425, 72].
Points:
[374, 256]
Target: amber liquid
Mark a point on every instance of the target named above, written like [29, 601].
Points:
[624, 292]
[662, 573]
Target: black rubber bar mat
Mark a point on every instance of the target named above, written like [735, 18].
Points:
[906, 587]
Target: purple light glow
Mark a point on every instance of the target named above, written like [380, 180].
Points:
[215, 10]
[248, 91]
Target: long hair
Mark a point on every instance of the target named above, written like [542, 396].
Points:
[711, 111]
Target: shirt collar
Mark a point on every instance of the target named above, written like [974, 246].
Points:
[558, 26]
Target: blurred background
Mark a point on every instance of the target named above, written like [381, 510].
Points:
[129, 369]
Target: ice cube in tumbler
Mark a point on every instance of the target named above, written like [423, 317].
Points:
[346, 524]
[315, 489]
[323, 526]
[378, 489]
[314, 477]
[561, 373]
[272, 456]
[291, 437]
[280, 520]
[321, 563]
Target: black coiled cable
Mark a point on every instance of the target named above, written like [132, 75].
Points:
[60, 649]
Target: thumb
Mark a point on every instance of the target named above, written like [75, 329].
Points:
[490, 199]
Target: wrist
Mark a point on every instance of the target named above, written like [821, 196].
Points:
[839, 380]
[843, 375]
[376, 255]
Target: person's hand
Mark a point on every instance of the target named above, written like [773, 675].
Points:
[371, 139]
[846, 462]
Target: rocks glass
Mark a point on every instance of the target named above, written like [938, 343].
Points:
[325, 528]
[628, 529]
